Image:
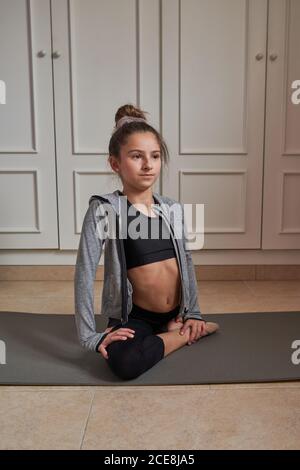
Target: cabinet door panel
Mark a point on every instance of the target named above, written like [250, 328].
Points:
[213, 96]
[281, 208]
[199, 73]
[109, 56]
[28, 205]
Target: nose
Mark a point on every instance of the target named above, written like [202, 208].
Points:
[147, 165]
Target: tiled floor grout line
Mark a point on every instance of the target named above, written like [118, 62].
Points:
[87, 419]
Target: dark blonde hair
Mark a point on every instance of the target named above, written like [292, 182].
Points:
[120, 136]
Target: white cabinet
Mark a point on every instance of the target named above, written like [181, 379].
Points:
[281, 208]
[28, 196]
[97, 71]
[213, 82]
[203, 69]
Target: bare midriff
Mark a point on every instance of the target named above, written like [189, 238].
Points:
[156, 286]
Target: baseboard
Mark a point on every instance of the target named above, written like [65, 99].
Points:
[203, 273]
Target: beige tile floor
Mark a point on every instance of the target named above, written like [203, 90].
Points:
[222, 416]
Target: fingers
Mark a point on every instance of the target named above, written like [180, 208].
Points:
[193, 334]
[121, 334]
[116, 335]
[124, 329]
[197, 330]
[103, 351]
[201, 330]
[187, 324]
[184, 328]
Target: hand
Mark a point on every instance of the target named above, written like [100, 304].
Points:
[197, 328]
[117, 335]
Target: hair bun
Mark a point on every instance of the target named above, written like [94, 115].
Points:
[125, 119]
[129, 111]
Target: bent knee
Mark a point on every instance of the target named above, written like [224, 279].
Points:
[130, 360]
[127, 365]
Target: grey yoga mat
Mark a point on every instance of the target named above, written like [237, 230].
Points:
[43, 349]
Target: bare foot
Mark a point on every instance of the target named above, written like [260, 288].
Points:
[210, 328]
[174, 325]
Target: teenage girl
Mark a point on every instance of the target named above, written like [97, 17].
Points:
[154, 329]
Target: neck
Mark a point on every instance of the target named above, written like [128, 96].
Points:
[139, 197]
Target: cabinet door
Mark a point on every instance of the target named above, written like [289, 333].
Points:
[28, 205]
[213, 98]
[107, 56]
[281, 208]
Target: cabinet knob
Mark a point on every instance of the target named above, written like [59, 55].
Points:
[41, 53]
[259, 56]
[56, 54]
[273, 57]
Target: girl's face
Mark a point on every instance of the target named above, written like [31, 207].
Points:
[139, 157]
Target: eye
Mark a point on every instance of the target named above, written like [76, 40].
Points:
[136, 156]
[156, 156]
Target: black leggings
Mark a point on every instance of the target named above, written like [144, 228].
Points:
[132, 357]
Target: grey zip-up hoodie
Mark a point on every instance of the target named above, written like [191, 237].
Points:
[103, 230]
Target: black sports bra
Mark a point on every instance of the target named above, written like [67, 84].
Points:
[144, 249]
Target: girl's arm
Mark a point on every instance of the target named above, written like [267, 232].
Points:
[88, 256]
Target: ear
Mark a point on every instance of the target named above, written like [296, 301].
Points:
[113, 163]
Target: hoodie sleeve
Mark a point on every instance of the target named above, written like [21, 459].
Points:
[194, 310]
[88, 256]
